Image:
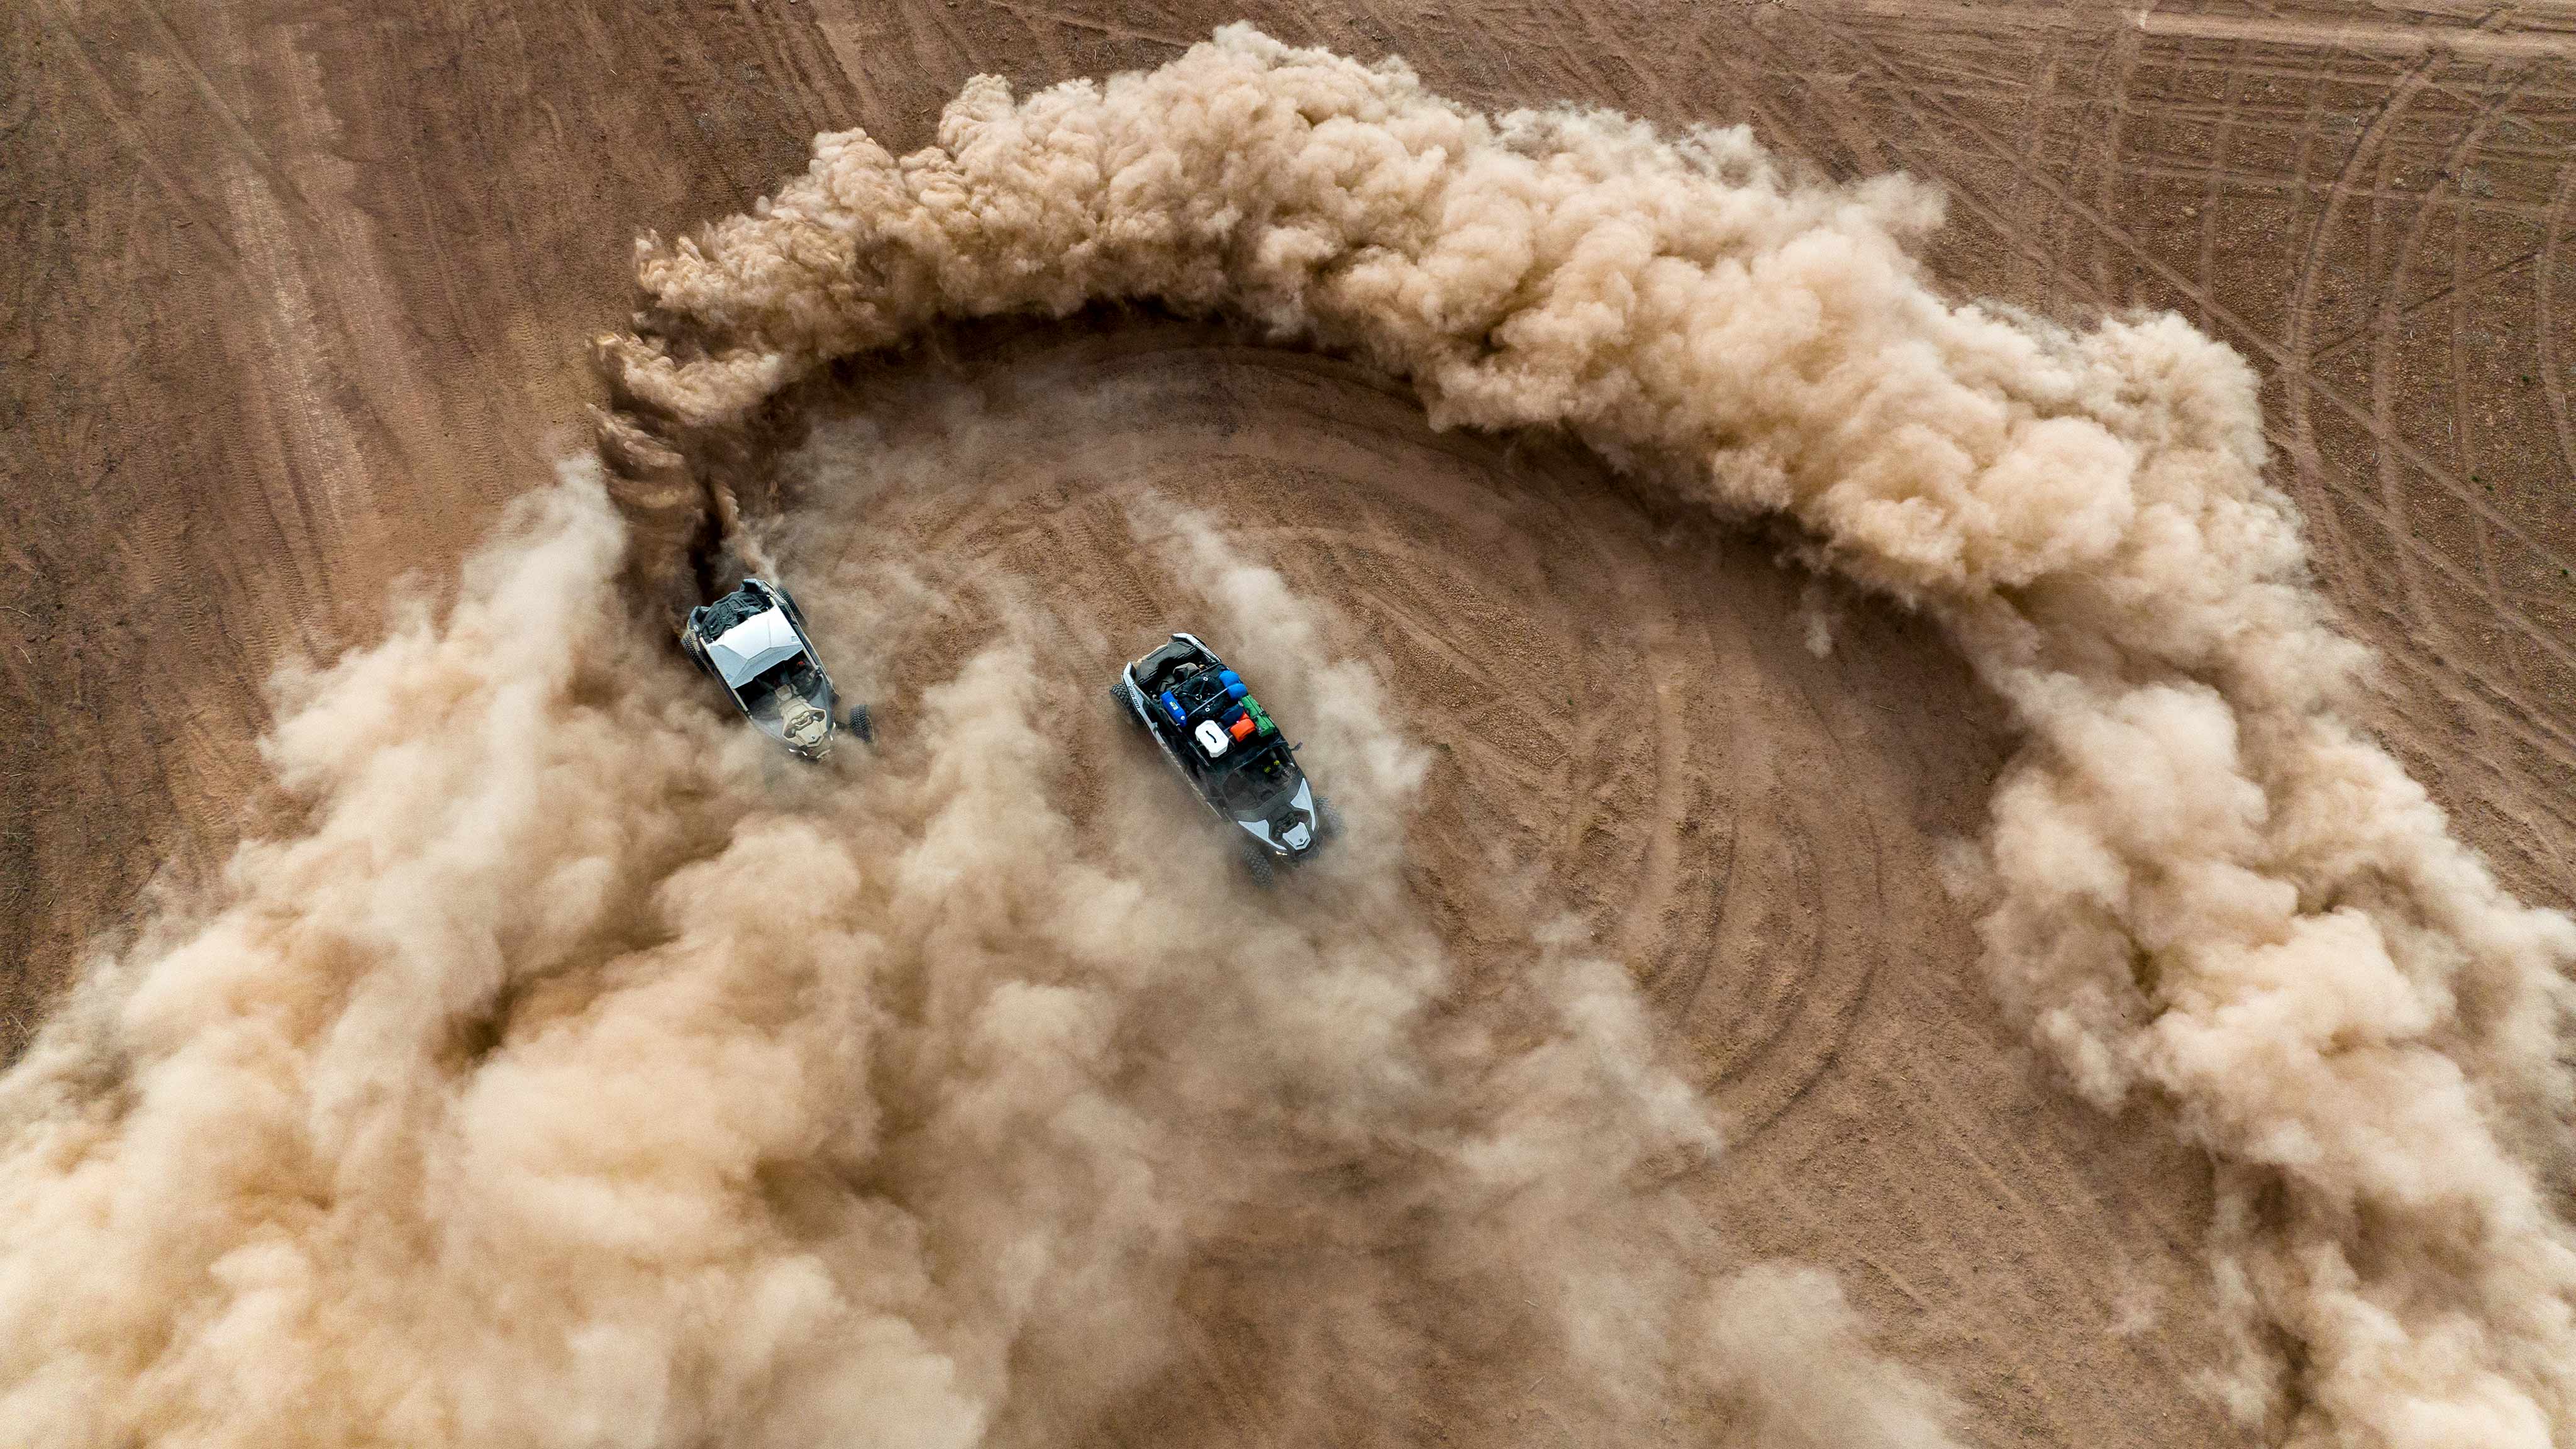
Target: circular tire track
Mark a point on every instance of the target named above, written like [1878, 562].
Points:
[164, 435]
[1620, 721]
[1624, 724]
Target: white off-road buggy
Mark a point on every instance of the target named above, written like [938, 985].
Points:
[753, 641]
[1226, 745]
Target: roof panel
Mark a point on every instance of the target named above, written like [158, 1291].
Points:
[744, 650]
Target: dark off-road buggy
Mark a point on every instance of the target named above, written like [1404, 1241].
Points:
[753, 641]
[1228, 748]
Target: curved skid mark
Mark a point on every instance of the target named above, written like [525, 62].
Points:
[2124, 50]
[1641, 921]
[2370, 143]
[2463, 425]
[2384, 372]
[2247, 335]
[2435, 298]
[2465, 659]
[103, 95]
[2431, 42]
[2213, 186]
[2554, 367]
[1115, 31]
[227, 119]
[1850, 997]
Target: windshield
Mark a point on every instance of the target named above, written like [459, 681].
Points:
[1250, 787]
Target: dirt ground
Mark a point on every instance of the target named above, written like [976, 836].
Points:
[299, 297]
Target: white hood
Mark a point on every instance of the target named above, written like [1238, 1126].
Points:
[754, 645]
[1299, 835]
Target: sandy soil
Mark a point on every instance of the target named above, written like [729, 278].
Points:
[300, 299]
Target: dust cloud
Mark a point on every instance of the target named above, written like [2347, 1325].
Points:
[578, 1073]
[581, 1071]
[2205, 892]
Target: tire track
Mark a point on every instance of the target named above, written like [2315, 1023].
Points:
[2554, 367]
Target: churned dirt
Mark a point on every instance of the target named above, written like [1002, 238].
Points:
[298, 298]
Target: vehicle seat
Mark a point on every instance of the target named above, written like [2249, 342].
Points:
[1156, 670]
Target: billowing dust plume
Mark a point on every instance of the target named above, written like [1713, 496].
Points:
[582, 1071]
[2203, 890]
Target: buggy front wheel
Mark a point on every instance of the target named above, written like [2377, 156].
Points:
[1258, 864]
